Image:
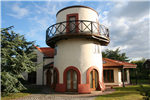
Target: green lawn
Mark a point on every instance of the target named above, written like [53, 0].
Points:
[143, 81]
[124, 93]
[22, 94]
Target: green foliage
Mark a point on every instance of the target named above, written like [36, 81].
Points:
[144, 92]
[16, 55]
[141, 74]
[115, 55]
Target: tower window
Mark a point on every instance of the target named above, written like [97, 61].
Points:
[56, 50]
[104, 62]
[96, 48]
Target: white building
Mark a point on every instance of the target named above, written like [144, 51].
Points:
[75, 63]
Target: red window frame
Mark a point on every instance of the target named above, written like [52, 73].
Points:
[76, 18]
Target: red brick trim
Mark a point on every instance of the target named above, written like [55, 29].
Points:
[101, 85]
[111, 85]
[88, 74]
[102, 74]
[67, 19]
[65, 75]
[52, 86]
[84, 88]
[60, 88]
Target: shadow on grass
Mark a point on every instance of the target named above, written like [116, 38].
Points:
[31, 89]
[123, 93]
[132, 88]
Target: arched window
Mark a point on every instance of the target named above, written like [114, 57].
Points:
[48, 77]
[55, 78]
[71, 80]
[93, 79]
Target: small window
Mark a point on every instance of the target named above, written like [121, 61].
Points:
[32, 77]
[96, 48]
[146, 66]
[104, 62]
[56, 50]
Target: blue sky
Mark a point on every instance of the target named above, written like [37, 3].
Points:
[127, 21]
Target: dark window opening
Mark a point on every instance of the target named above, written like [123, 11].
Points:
[32, 77]
[108, 76]
[55, 50]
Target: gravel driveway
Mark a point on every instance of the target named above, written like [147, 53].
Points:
[47, 94]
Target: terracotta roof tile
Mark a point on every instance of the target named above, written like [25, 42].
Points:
[116, 63]
[47, 51]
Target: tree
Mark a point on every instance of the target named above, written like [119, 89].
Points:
[141, 74]
[16, 57]
[115, 55]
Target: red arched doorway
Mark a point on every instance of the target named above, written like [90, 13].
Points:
[55, 77]
[48, 77]
[93, 79]
[71, 78]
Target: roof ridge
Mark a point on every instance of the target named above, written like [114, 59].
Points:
[38, 49]
[114, 61]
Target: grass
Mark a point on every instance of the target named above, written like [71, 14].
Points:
[124, 93]
[143, 81]
[22, 94]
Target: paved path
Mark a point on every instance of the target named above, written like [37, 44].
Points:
[47, 94]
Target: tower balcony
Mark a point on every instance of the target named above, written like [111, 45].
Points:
[77, 29]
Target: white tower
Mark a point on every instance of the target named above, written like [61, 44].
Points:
[77, 38]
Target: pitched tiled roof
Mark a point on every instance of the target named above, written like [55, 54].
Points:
[47, 51]
[115, 63]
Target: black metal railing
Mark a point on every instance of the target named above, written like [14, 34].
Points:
[77, 26]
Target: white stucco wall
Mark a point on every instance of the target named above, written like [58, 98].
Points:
[77, 52]
[83, 14]
[39, 75]
[39, 71]
[47, 61]
[117, 77]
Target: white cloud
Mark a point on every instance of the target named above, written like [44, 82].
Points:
[33, 33]
[44, 15]
[18, 11]
[79, 2]
[128, 23]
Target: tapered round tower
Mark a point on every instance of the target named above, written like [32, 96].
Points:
[77, 38]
